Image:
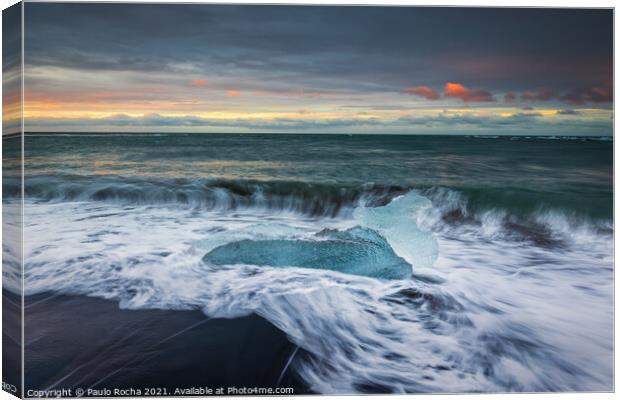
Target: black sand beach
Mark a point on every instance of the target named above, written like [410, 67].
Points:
[11, 338]
[81, 342]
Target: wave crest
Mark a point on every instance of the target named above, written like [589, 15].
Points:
[308, 198]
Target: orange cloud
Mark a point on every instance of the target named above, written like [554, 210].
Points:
[459, 91]
[233, 93]
[422, 91]
[199, 82]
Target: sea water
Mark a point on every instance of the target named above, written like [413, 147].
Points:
[397, 263]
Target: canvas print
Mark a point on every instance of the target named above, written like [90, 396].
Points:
[211, 199]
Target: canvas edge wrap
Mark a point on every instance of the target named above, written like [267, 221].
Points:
[12, 211]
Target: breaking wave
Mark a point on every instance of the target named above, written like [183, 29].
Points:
[387, 289]
[517, 215]
[307, 198]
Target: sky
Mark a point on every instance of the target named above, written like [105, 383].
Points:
[304, 69]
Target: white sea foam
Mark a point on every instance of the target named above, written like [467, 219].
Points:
[491, 313]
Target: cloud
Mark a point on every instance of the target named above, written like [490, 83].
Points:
[568, 112]
[510, 97]
[198, 82]
[422, 91]
[530, 123]
[158, 120]
[282, 45]
[522, 120]
[595, 94]
[526, 115]
[514, 124]
[542, 94]
[302, 93]
[296, 92]
[233, 93]
[459, 91]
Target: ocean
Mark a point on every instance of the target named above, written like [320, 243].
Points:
[391, 263]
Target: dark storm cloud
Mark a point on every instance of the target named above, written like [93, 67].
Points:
[350, 48]
[11, 37]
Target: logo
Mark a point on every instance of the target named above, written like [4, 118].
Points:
[9, 388]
